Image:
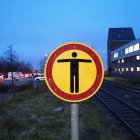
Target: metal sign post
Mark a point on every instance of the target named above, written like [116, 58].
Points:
[74, 121]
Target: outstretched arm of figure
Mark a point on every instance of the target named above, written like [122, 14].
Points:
[63, 60]
[84, 60]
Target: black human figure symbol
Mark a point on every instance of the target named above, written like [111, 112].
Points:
[74, 70]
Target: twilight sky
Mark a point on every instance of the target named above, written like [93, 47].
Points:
[37, 27]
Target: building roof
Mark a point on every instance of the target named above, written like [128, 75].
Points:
[121, 34]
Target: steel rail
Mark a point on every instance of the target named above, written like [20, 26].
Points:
[117, 116]
[123, 87]
[121, 101]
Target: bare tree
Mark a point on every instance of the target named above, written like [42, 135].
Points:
[25, 67]
[2, 64]
[42, 63]
[11, 58]
[29, 67]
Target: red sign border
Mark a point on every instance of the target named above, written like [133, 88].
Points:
[73, 97]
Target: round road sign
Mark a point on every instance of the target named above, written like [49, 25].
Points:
[74, 72]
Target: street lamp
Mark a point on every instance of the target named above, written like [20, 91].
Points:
[46, 55]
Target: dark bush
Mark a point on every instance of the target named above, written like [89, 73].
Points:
[24, 87]
[40, 87]
[5, 88]
[9, 88]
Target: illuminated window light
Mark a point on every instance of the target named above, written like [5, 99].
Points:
[122, 60]
[138, 68]
[126, 50]
[138, 57]
[116, 55]
[126, 69]
[132, 69]
[131, 49]
[137, 47]
[118, 61]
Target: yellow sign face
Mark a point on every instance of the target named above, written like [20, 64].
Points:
[74, 72]
[61, 72]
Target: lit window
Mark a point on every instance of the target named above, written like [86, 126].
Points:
[138, 57]
[119, 69]
[116, 55]
[126, 69]
[122, 69]
[122, 60]
[130, 49]
[126, 51]
[138, 68]
[132, 69]
[136, 47]
[118, 61]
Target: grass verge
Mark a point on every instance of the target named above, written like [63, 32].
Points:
[31, 115]
[93, 124]
[123, 80]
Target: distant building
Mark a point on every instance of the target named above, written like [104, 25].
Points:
[123, 53]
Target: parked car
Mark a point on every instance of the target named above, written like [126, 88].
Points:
[1, 77]
[16, 75]
[39, 78]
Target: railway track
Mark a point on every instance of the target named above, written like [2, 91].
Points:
[127, 94]
[134, 90]
[128, 115]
